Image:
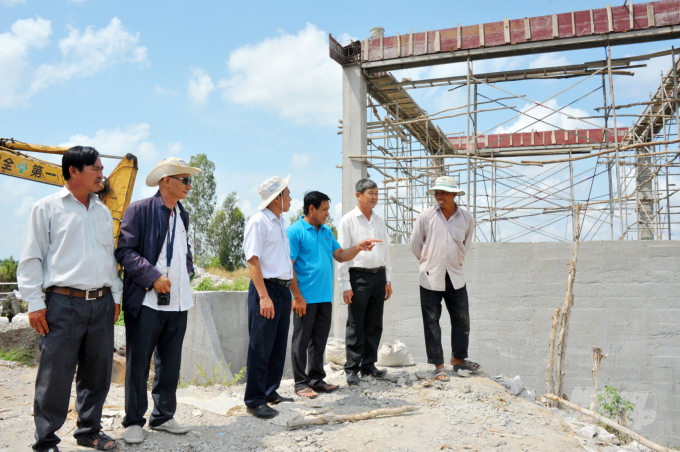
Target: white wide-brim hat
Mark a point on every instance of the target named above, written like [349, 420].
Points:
[169, 167]
[446, 183]
[270, 189]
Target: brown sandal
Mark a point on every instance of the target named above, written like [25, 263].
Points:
[307, 392]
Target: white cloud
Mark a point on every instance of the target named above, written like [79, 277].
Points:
[89, 53]
[295, 205]
[560, 120]
[24, 206]
[301, 160]
[548, 60]
[346, 38]
[14, 49]
[84, 54]
[176, 148]
[290, 75]
[200, 86]
[119, 142]
[337, 210]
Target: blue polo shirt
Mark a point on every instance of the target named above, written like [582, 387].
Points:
[312, 252]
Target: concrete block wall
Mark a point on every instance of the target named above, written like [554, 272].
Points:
[627, 301]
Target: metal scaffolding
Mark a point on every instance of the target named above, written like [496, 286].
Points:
[516, 187]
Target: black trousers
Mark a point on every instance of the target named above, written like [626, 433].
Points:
[364, 320]
[310, 333]
[457, 305]
[267, 347]
[81, 334]
[161, 334]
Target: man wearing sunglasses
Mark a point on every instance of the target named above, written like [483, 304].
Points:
[153, 249]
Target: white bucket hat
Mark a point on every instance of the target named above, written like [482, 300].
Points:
[270, 189]
[446, 183]
[169, 167]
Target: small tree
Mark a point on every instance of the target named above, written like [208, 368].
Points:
[200, 203]
[226, 234]
[329, 221]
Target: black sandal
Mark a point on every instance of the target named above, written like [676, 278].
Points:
[101, 438]
[467, 365]
[325, 387]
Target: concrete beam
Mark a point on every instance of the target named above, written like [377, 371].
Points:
[354, 91]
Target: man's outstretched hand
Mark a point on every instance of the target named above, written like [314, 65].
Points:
[367, 244]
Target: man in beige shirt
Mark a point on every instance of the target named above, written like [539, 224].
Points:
[441, 237]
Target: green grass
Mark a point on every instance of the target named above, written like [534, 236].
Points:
[207, 285]
[121, 318]
[19, 355]
[220, 376]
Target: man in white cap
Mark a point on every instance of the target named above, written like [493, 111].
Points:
[441, 237]
[267, 251]
[153, 249]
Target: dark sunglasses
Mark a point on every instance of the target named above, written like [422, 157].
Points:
[185, 180]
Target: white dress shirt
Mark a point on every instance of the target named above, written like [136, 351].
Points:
[180, 285]
[352, 229]
[440, 245]
[265, 237]
[67, 245]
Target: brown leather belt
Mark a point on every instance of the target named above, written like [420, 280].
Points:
[86, 294]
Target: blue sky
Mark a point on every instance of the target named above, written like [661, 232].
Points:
[249, 84]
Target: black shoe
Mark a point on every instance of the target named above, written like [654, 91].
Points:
[48, 449]
[353, 379]
[280, 399]
[263, 412]
[373, 372]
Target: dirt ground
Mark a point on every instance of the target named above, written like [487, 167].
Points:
[464, 414]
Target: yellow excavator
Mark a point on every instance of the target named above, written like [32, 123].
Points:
[115, 191]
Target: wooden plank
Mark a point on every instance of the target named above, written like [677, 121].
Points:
[532, 136]
[566, 136]
[631, 15]
[573, 24]
[380, 55]
[426, 48]
[555, 26]
[521, 139]
[527, 29]
[650, 16]
[398, 46]
[481, 35]
[367, 47]
[459, 37]
[437, 42]
[576, 135]
[592, 23]
[510, 139]
[410, 43]
[506, 30]
[553, 140]
[609, 18]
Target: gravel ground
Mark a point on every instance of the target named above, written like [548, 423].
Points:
[464, 414]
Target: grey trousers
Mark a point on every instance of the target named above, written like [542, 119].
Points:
[81, 334]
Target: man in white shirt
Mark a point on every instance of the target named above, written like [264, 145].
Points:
[68, 251]
[153, 250]
[267, 251]
[366, 282]
[441, 237]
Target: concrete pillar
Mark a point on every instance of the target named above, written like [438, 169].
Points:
[645, 198]
[354, 91]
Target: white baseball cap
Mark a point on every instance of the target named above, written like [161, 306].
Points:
[270, 189]
[446, 183]
[169, 167]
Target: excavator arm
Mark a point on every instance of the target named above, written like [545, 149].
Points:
[115, 191]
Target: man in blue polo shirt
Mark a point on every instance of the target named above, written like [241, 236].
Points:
[312, 249]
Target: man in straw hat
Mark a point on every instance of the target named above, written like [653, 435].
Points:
[441, 237]
[154, 251]
[266, 248]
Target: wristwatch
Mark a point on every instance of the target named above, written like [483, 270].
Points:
[389, 283]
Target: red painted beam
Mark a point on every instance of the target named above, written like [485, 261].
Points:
[557, 138]
[585, 23]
